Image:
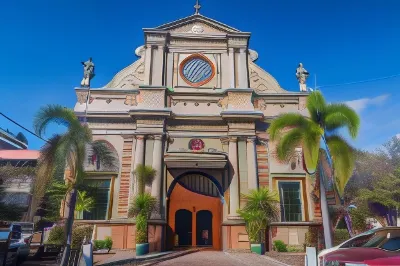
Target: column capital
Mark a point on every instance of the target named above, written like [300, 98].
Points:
[233, 139]
[224, 141]
[158, 137]
[140, 137]
[251, 139]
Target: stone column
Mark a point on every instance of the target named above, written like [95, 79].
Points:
[157, 165]
[139, 157]
[242, 64]
[232, 67]
[147, 65]
[252, 177]
[234, 197]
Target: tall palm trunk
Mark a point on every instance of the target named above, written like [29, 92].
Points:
[325, 215]
[70, 222]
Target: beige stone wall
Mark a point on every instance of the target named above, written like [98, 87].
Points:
[295, 236]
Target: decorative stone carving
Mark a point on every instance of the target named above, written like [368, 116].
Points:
[151, 121]
[237, 42]
[151, 99]
[262, 105]
[240, 101]
[130, 77]
[197, 127]
[263, 82]
[107, 125]
[223, 102]
[108, 101]
[82, 96]
[155, 38]
[190, 42]
[197, 29]
[130, 100]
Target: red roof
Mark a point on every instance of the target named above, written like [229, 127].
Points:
[19, 155]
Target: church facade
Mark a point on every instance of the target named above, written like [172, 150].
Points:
[195, 106]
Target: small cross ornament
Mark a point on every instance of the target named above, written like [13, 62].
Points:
[197, 7]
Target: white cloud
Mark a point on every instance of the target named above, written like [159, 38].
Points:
[398, 136]
[360, 104]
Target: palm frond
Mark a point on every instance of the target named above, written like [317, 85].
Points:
[143, 204]
[145, 175]
[264, 200]
[104, 153]
[316, 106]
[311, 144]
[288, 143]
[341, 115]
[286, 121]
[343, 160]
[84, 202]
[54, 114]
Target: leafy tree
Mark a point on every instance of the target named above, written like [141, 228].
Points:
[72, 147]
[262, 208]
[143, 204]
[292, 130]
[9, 174]
[21, 137]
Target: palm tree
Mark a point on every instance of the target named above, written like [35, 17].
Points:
[84, 203]
[72, 146]
[262, 208]
[143, 204]
[293, 130]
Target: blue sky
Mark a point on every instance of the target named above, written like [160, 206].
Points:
[43, 43]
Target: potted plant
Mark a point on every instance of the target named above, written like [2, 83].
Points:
[262, 207]
[143, 205]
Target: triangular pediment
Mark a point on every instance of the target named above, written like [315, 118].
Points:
[197, 24]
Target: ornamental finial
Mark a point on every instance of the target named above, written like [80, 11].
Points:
[197, 8]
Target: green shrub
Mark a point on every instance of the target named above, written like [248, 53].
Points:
[141, 229]
[108, 243]
[79, 233]
[340, 235]
[103, 244]
[280, 246]
[57, 236]
[98, 244]
[295, 248]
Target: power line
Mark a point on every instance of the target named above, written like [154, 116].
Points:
[11, 120]
[361, 81]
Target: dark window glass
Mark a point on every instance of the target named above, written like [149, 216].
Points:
[290, 201]
[101, 197]
[392, 244]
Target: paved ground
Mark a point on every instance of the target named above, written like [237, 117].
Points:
[214, 258]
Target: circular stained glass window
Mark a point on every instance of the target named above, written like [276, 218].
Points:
[197, 70]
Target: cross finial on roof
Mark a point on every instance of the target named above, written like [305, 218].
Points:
[197, 7]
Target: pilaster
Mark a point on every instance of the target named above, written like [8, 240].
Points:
[234, 186]
[252, 177]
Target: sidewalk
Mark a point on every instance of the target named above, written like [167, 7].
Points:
[129, 257]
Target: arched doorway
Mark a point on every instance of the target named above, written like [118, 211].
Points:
[204, 228]
[183, 227]
[198, 196]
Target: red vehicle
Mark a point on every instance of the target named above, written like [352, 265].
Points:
[383, 262]
[382, 243]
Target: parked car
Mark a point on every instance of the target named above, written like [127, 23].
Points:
[373, 244]
[383, 261]
[18, 245]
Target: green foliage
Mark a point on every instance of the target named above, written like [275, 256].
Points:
[57, 236]
[261, 208]
[280, 246]
[359, 218]
[143, 204]
[295, 249]
[145, 175]
[21, 137]
[79, 233]
[293, 130]
[141, 229]
[312, 237]
[103, 244]
[84, 202]
[9, 210]
[340, 235]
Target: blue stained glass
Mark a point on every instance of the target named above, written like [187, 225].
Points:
[197, 70]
